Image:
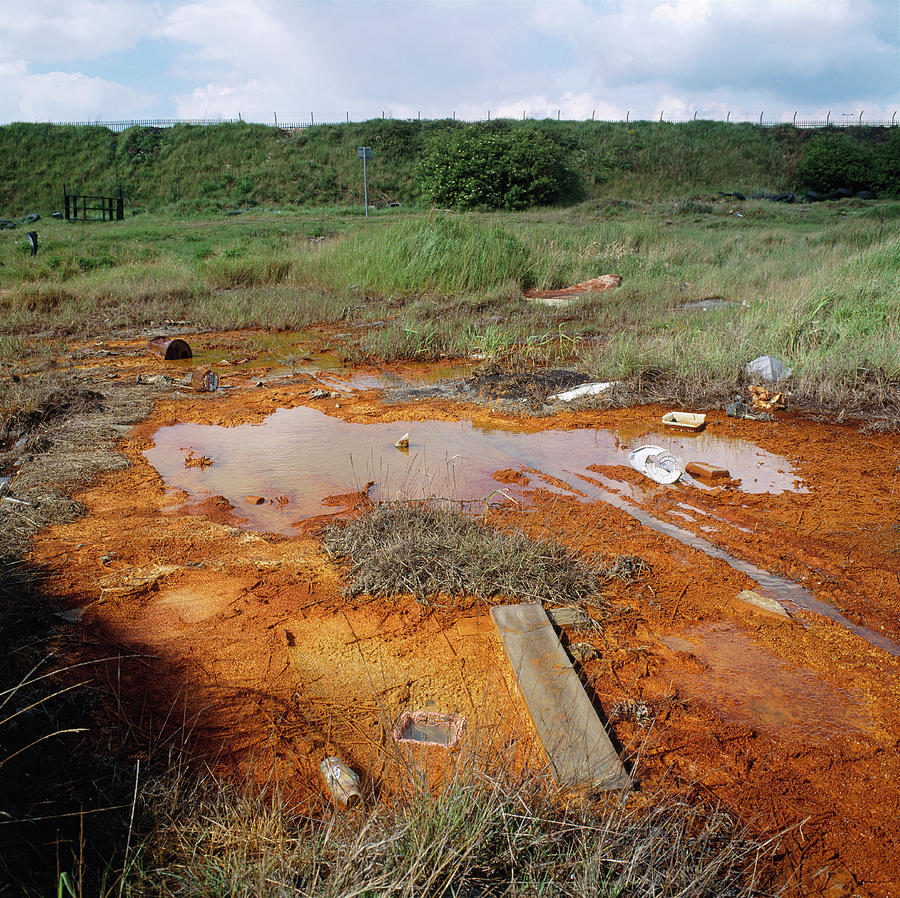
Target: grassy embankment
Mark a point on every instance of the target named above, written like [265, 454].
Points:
[189, 169]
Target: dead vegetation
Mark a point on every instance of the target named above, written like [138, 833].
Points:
[63, 433]
[430, 551]
[485, 831]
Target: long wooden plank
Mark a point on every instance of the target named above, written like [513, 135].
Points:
[576, 743]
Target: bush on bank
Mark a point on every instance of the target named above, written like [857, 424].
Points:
[497, 168]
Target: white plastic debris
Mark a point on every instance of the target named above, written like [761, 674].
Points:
[584, 390]
[657, 463]
[768, 368]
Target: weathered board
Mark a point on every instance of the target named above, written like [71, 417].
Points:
[574, 738]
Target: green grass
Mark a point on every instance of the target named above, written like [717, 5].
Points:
[186, 169]
[816, 285]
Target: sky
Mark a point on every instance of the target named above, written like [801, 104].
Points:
[326, 60]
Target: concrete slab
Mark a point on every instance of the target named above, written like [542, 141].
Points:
[577, 745]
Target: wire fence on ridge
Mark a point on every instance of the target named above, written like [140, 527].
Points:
[847, 121]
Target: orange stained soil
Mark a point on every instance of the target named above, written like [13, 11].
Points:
[245, 637]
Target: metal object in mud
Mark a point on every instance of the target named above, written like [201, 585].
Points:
[169, 348]
[342, 782]
[429, 728]
[204, 381]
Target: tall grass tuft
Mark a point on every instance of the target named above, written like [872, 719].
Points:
[483, 832]
[435, 254]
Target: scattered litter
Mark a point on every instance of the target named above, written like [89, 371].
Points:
[429, 728]
[765, 400]
[403, 443]
[33, 241]
[319, 394]
[154, 379]
[706, 471]
[204, 381]
[582, 651]
[255, 500]
[768, 368]
[593, 389]
[7, 224]
[605, 282]
[30, 219]
[661, 465]
[761, 601]
[685, 421]
[169, 348]
[577, 745]
[739, 409]
[342, 782]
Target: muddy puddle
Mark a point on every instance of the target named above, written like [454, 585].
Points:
[773, 694]
[286, 469]
[301, 456]
[278, 356]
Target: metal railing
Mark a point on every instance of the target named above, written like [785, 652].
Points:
[846, 121]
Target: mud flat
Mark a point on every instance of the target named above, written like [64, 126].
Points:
[240, 618]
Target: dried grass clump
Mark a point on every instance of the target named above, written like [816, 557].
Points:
[428, 550]
[27, 403]
[482, 833]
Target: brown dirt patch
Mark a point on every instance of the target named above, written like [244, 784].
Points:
[249, 642]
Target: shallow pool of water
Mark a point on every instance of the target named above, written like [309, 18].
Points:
[298, 457]
[305, 456]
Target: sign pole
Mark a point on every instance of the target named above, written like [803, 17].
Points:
[365, 153]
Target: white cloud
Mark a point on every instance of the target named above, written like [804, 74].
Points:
[56, 31]
[65, 96]
[434, 57]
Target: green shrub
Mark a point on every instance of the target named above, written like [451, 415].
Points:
[481, 167]
[831, 161]
[887, 165]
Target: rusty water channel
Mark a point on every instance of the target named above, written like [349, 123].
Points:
[298, 457]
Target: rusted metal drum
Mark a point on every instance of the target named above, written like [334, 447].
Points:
[204, 381]
[169, 348]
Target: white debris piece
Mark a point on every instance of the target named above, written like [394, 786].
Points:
[768, 368]
[657, 463]
[584, 390]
